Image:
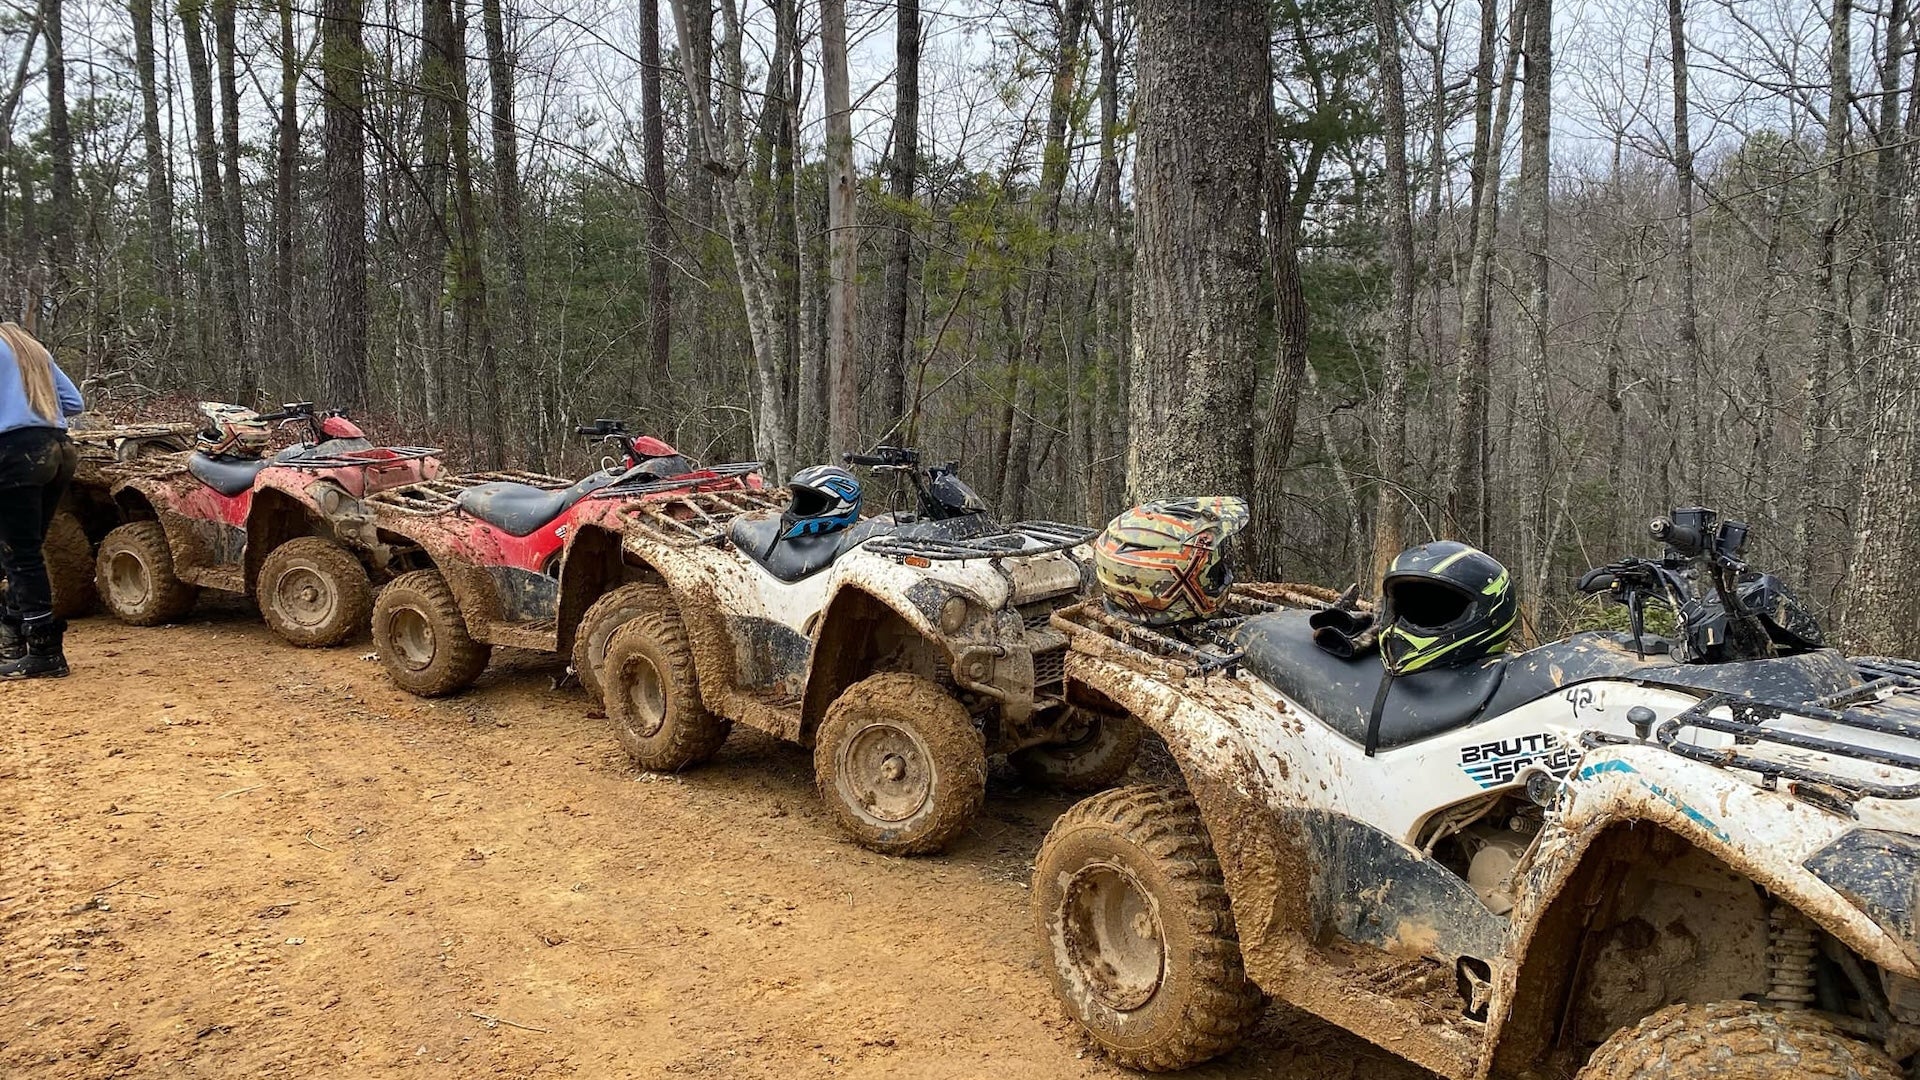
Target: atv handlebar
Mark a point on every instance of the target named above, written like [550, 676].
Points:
[602, 429]
[885, 457]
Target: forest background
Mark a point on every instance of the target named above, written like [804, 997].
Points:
[1522, 272]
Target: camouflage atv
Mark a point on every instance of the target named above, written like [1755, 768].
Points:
[904, 651]
[1617, 855]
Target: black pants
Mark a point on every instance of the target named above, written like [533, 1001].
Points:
[36, 465]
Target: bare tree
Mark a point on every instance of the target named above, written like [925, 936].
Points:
[902, 165]
[654, 149]
[1202, 115]
[344, 332]
[843, 238]
[1390, 413]
[159, 190]
[1533, 469]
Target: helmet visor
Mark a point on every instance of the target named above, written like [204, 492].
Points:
[1427, 605]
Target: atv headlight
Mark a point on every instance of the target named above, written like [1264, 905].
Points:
[1879, 873]
[953, 614]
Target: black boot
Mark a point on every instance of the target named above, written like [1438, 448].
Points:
[44, 658]
[13, 644]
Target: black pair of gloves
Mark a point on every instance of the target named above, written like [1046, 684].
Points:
[1344, 633]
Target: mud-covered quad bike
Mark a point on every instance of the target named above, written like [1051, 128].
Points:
[278, 528]
[521, 559]
[904, 650]
[1616, 855]
[87, 512]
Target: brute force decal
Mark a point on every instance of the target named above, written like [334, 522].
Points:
[1491, 764]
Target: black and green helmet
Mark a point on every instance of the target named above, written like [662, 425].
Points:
[1446, 604]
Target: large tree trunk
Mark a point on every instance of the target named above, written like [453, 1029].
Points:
[1533, 471]
[344, 335]
[1883, 610]
[902, 167]
[1291, 328]
[1390, 423]
[506, 180]
[159, 191]
[1202, 116]
[843, 237]
[810, 407]
[659, 373]
[215, 218]
[1109, 282]
[1034, 327]
[472, 335]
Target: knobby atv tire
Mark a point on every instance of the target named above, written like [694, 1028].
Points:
[422, 637]
[1090, 763]
[1735, 1040]
[1119, 872]
[602, 618]
[653, 693]
[69, 558]
[341, 600]
[897, 721]
[134, 576]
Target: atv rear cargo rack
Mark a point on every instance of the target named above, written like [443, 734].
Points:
[699, 517]
[1196, 648]
[1747, 719]
[363, 459]
[712, 474]
[442, 495]
[1023, 539]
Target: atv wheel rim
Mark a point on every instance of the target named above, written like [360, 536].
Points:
[646, 697]
[128, 580]
[885, 774]
[304, 597]
[412, 638]
[1113, 936]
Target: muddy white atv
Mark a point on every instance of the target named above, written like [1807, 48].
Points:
[904, 650]
[1577, 858]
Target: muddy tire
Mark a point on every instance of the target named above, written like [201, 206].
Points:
[900, 764]
[1100, 752]
[313, 592]
[602, 618]
[134, 576]
[1735, 1040]
[653, 693]
[422, 637]
[1129, 904]
[70, 567]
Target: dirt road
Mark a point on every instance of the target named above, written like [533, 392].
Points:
[220, 856]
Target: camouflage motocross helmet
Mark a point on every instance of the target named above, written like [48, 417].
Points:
[233, 431]
[1446, 604]
[1169, 561]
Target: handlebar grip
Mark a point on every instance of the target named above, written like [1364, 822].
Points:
[1598, 579]
[866, 459]
[585, 430]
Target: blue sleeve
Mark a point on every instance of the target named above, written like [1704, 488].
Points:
[70, 401]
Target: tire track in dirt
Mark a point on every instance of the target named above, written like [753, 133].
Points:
[306, 871]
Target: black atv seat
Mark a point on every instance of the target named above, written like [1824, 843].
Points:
[800, 556]
[1280, 652]
[521, 509]
[227, 475]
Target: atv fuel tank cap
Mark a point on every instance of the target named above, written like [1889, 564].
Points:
[1642, 719]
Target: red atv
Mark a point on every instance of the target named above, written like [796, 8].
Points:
[523, 560]
[283, 528]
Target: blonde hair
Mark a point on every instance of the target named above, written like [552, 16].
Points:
[36, 370]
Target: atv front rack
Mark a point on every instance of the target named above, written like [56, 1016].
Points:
[1747, 721]
[1022, 539]
[442, 496]
[696, 518]
[1196, 648]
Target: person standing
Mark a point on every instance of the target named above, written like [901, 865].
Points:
[36, 465]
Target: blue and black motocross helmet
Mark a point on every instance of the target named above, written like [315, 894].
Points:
[826, 498]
